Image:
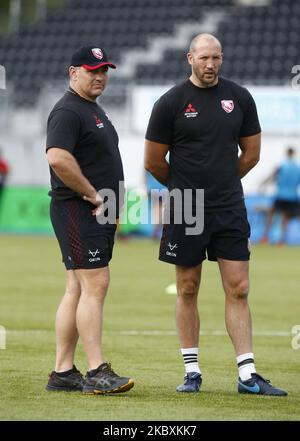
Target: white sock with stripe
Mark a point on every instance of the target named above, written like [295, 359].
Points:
[190, 358]
[246, 365]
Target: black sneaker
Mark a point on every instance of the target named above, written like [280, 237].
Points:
[104, 380]
[74, 381]
[259, 386]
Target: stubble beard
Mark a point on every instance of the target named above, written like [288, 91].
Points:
[205, 81]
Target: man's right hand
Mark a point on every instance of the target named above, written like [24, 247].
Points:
[67, 169]
[95, 200]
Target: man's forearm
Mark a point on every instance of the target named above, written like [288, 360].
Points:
[70, 174]
[246, 164]
[160, 172]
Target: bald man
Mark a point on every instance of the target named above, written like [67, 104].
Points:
[202, 123]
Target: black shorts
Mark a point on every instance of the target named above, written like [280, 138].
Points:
[225, 235]
[291, 208]
[84, 243]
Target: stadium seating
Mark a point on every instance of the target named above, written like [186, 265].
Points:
[260, 43]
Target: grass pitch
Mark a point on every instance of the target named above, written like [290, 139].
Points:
[139, 337]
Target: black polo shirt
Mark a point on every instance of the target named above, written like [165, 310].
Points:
[82, 128]
[203, 127]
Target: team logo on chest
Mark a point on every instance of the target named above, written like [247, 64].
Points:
[227, 105]
[99, 123]
[190, 111]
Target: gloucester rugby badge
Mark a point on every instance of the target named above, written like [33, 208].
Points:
[227, 105]
[97, 53]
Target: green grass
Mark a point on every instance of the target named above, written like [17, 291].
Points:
[32, 283]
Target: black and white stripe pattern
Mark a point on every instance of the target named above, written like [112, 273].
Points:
[246, 365]
[190, 358]
[247, 361]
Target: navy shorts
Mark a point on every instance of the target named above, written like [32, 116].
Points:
[225, 235]
[291, 208]
[84, 243]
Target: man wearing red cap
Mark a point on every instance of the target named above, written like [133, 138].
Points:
[84, 159]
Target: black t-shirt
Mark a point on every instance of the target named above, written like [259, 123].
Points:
[82, 127]
[203, 127]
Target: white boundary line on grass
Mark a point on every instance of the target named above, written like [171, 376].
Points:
[209, 333]
[132, 332]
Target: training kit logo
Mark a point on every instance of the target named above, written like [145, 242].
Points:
[99, 124]
[190, 111]
[172, 247]
[97, 53]
[94, 254]
[227, 105]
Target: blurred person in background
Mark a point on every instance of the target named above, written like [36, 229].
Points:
[201, 122]
[4, 171]
[286, 202]
[84, 158]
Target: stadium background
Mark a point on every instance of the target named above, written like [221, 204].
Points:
[148, 40]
